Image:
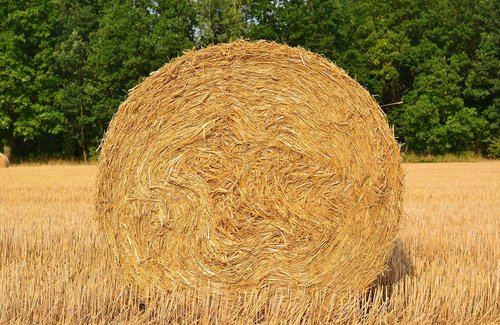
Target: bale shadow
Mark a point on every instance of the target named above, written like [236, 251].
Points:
[399, 266]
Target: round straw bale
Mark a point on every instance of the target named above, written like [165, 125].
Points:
[250, 165]
[4, 161]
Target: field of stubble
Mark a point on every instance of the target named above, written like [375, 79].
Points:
[54, 269]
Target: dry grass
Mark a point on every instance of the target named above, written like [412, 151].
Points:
[247, 165]
[53, 269]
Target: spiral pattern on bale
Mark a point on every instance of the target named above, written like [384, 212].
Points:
[249, 165]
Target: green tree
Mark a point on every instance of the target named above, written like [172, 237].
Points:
[133, 39]
[77, 21]
[384, 55]
[317, 25]
[72, 97]
[483, 90]
[261, 20]
[435, 119]
[65, 66]
[219, 21]
[27, 83]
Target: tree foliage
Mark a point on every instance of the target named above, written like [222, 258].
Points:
[65, 66]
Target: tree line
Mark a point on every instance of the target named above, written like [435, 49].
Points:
[65, 65]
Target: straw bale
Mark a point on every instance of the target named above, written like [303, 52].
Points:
[4, 161]
[250, 165]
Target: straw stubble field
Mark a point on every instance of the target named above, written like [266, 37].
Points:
[54, 268]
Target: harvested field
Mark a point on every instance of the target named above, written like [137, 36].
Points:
[54, 268]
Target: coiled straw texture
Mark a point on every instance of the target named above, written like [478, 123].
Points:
[249, 165]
